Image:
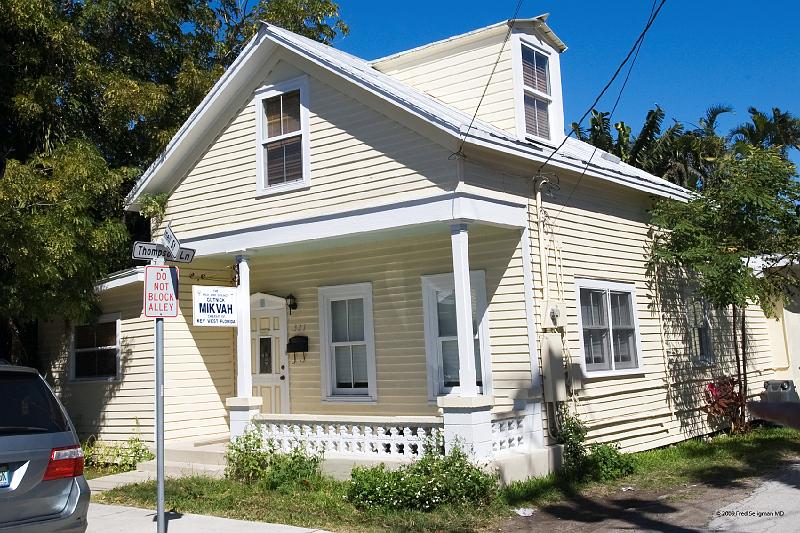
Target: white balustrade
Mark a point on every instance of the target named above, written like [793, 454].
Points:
[369, 436]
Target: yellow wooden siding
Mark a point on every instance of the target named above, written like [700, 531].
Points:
[109, 410]
[358, 158]
[602, 233]
[459, 76]
[394, 268]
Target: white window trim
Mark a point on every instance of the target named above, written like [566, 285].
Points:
[711, 360]
[477, 280]
[262, 94]
[102, 319]
[554, 99]
[609, 286]
[340, 292]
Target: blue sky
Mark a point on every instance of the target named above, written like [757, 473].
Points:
[697, 53]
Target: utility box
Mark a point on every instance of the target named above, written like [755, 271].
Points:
[779, 390]
[555, 379]
[554, 314]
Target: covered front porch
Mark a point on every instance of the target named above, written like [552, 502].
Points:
[401, 338]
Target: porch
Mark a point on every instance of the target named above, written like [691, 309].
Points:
[410, 337]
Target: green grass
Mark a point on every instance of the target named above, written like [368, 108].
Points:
[723, 461]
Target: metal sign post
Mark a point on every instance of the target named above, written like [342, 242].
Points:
[160, 300]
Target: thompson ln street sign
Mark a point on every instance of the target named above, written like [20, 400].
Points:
[152, 250]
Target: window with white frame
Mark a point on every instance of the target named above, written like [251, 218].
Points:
[441, 334]
[96, 349]
[609, 326]
[536, 91]
[282, 122]
[699, 331]
[347, 345]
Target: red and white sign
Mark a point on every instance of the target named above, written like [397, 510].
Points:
[160, 291]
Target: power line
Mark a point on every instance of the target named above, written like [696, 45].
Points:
[638, 47]
[459, 152]
[631, 52]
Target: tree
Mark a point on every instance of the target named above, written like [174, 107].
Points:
[747, 212]
[90, 93]
[781, 129]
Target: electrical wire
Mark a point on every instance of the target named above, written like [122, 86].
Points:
[459, 152]
[634, 54]
[634, 50]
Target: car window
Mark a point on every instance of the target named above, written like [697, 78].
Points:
[28, 406]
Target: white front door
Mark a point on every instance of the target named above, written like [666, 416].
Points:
[269, 361]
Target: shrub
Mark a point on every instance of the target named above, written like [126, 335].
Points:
[251, 459]
[115, 457]
[572, 434]
[430, 481]
[607, 463]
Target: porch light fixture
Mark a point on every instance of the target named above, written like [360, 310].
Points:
[291, 303]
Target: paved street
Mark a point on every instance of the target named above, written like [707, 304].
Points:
[119, 519]
[774, 506]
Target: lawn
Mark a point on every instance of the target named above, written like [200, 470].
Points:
[719, 461]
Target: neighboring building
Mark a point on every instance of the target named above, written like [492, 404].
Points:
[436, 266]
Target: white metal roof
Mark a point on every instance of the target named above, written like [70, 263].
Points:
[573, 155]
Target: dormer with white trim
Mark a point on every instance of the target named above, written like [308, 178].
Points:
[522, 96]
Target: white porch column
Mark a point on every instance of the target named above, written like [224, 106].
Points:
[459, 242]
[244, 406]
[244, 372]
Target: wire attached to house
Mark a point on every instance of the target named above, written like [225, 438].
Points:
[634, 50]
[459, 153]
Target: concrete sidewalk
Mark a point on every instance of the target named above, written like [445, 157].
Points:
[119, 519]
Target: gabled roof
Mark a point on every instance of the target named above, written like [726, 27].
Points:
[216, 110]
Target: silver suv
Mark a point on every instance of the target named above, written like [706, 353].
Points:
[42, 487]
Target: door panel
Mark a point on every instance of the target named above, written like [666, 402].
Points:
[268, 357]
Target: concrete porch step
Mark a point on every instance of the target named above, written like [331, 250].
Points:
[208, 455]
[183, 468]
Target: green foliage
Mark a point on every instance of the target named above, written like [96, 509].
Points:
[751, 213]
[429, 482]
[571, 433]
[153, 206]
[252, 460]
[607, 463]
[115, 457]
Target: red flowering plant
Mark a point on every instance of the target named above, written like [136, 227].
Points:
[724, 403]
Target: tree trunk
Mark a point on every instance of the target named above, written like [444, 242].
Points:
[734, 329]
[744, 356]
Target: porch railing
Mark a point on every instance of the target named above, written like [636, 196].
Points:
[364, 436]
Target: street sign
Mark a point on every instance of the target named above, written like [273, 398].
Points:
[171, 242]
[214, 306]
[160, 291]
[153, 250]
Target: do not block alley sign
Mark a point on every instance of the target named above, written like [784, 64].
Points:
[160, 291]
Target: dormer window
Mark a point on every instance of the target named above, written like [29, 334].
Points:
[282, 137]
[536, 88]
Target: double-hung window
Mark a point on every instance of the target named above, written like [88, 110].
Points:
[96, 349]
[699, 331]
[536, 91]
[609, 326]
[348, 345]
[282, 138]
[441, 334]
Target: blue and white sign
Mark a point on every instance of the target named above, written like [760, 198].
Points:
[214, 306]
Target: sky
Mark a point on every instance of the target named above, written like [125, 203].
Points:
[697, 53]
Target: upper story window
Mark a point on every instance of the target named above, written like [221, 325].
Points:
[347, 342]
[609, 327]
[537, 95]
[96, 349]
[282, 122]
